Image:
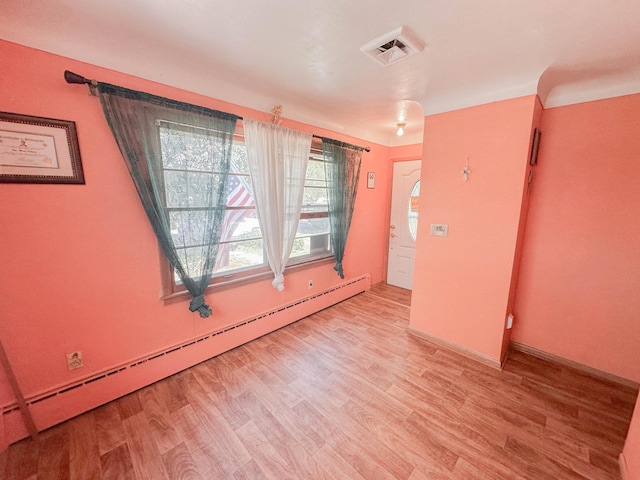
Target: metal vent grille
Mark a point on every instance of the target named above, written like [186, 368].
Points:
[394, 46]
[393, 43]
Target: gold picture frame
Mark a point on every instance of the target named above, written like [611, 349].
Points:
[39, 150]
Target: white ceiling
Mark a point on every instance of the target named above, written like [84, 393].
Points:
[305, 55]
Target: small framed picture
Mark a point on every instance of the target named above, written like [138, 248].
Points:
[38, 150]
[371, 180]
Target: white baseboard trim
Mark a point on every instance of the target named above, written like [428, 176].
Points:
[471, 354]
[594, 372]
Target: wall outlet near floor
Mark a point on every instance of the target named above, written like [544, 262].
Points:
[74, 360]
[310, 284]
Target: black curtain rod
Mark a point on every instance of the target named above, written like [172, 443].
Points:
[71, 77]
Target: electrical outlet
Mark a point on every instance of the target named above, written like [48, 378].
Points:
[74, 360]
[310, 284]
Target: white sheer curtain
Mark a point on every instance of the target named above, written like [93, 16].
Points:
[278, 160]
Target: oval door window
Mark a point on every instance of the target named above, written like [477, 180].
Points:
[412, 214]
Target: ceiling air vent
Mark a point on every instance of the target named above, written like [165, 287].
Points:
[393, 46]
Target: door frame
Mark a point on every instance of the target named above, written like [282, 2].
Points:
[387, 220]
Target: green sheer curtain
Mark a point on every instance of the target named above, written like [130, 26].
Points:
[342, 167]
[178, 156]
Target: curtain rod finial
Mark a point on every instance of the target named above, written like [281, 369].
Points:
[71, 77]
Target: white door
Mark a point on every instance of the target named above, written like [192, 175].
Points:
[404, 223]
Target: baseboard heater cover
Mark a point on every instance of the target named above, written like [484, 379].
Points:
[286, 314]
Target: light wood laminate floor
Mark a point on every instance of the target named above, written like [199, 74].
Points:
[391, 293]
[344, 394]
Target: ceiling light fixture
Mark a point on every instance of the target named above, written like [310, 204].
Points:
[400, 130]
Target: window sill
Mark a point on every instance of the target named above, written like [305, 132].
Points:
[183, 295]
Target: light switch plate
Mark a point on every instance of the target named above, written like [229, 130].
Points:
[371, 180]
[439, 229]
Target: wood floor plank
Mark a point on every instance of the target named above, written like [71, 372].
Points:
[128, 405]
[334, 464]
[159, 419]
[230, 453]
[169, 394]
[201, 445]
[432, 458]
[537, 465]
[180, 464]
[108, 427]
[504, 418]
[84, 455]
[287, 443]
[226, 403]
[265, 454]
[560, 458]
[22, 460]
[366, 465]
[446, 432]
[345, 393]
[278, 365]
[465, 470]
[604, 463]
[250, 471]
[53, 458]
[278, 410]
[368, 458]
[145, 456]
[3, 463]
[239, 357]
[116, 464]
[391, 293]
[223, 372]
[271, 380]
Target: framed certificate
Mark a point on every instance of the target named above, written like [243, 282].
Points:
[38, 150]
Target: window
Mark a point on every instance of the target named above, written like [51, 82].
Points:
[189, 178]
[241, 242]
[241, 253]
[312, 239]
[412, 211]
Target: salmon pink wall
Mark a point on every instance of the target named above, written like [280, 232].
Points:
[578, 295]
[631, 455]
[462, 282]
[522, 227]
[80, 268]
[406, 152]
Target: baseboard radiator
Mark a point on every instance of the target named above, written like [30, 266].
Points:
[66, 401]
